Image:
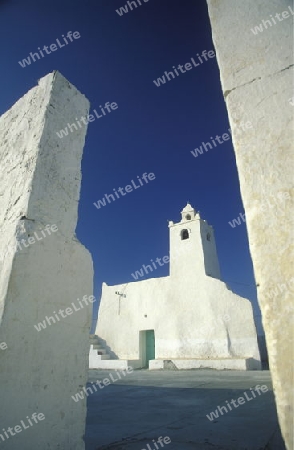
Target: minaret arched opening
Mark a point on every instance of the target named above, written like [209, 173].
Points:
[184, 235]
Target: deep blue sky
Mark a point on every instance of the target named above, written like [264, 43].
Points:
[153, 130]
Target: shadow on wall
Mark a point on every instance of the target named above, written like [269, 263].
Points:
[263, 352]
[95, 311]
[108, 349]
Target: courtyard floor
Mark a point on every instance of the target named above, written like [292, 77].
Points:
[130, 413]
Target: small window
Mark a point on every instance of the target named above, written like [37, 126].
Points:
[184, 234]
[188, 217]
[208, 237]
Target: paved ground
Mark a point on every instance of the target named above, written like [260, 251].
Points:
[129, 413]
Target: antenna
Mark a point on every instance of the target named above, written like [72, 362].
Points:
[120, 294]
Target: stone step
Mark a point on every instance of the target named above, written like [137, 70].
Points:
[218, 364]
[99, 348]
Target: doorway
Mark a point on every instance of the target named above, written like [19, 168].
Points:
[147, 347]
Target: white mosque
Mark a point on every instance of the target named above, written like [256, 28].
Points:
[187, 320]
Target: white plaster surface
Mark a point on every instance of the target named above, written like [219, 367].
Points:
[217, 364]
[257, 80]
[194, 316]
[40, 183]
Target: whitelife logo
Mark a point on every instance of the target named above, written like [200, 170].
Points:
[106, 382]
[64, 312]
[166, 440]
[237, 221]
[36, 417]
[140, 273]
[3, 346]
[124, 9]
[225, 136]
[277, 204]
[188, 66]
[279, 288]
[128, 188]
[30, 241]
[215, 414]
[259, 28]
[90, 118]
[53, 47]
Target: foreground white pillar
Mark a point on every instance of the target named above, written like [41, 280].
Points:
[257, 81]
[39, 185]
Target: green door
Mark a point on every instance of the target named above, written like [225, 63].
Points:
[150, 346]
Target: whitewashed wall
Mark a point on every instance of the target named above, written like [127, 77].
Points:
[40, 182]
[256, 73]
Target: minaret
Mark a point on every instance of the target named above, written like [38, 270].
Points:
[192, 247]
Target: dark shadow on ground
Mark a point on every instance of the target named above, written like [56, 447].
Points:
[131, 412]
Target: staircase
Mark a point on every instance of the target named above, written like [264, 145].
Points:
[99, 358]
[97, 349]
